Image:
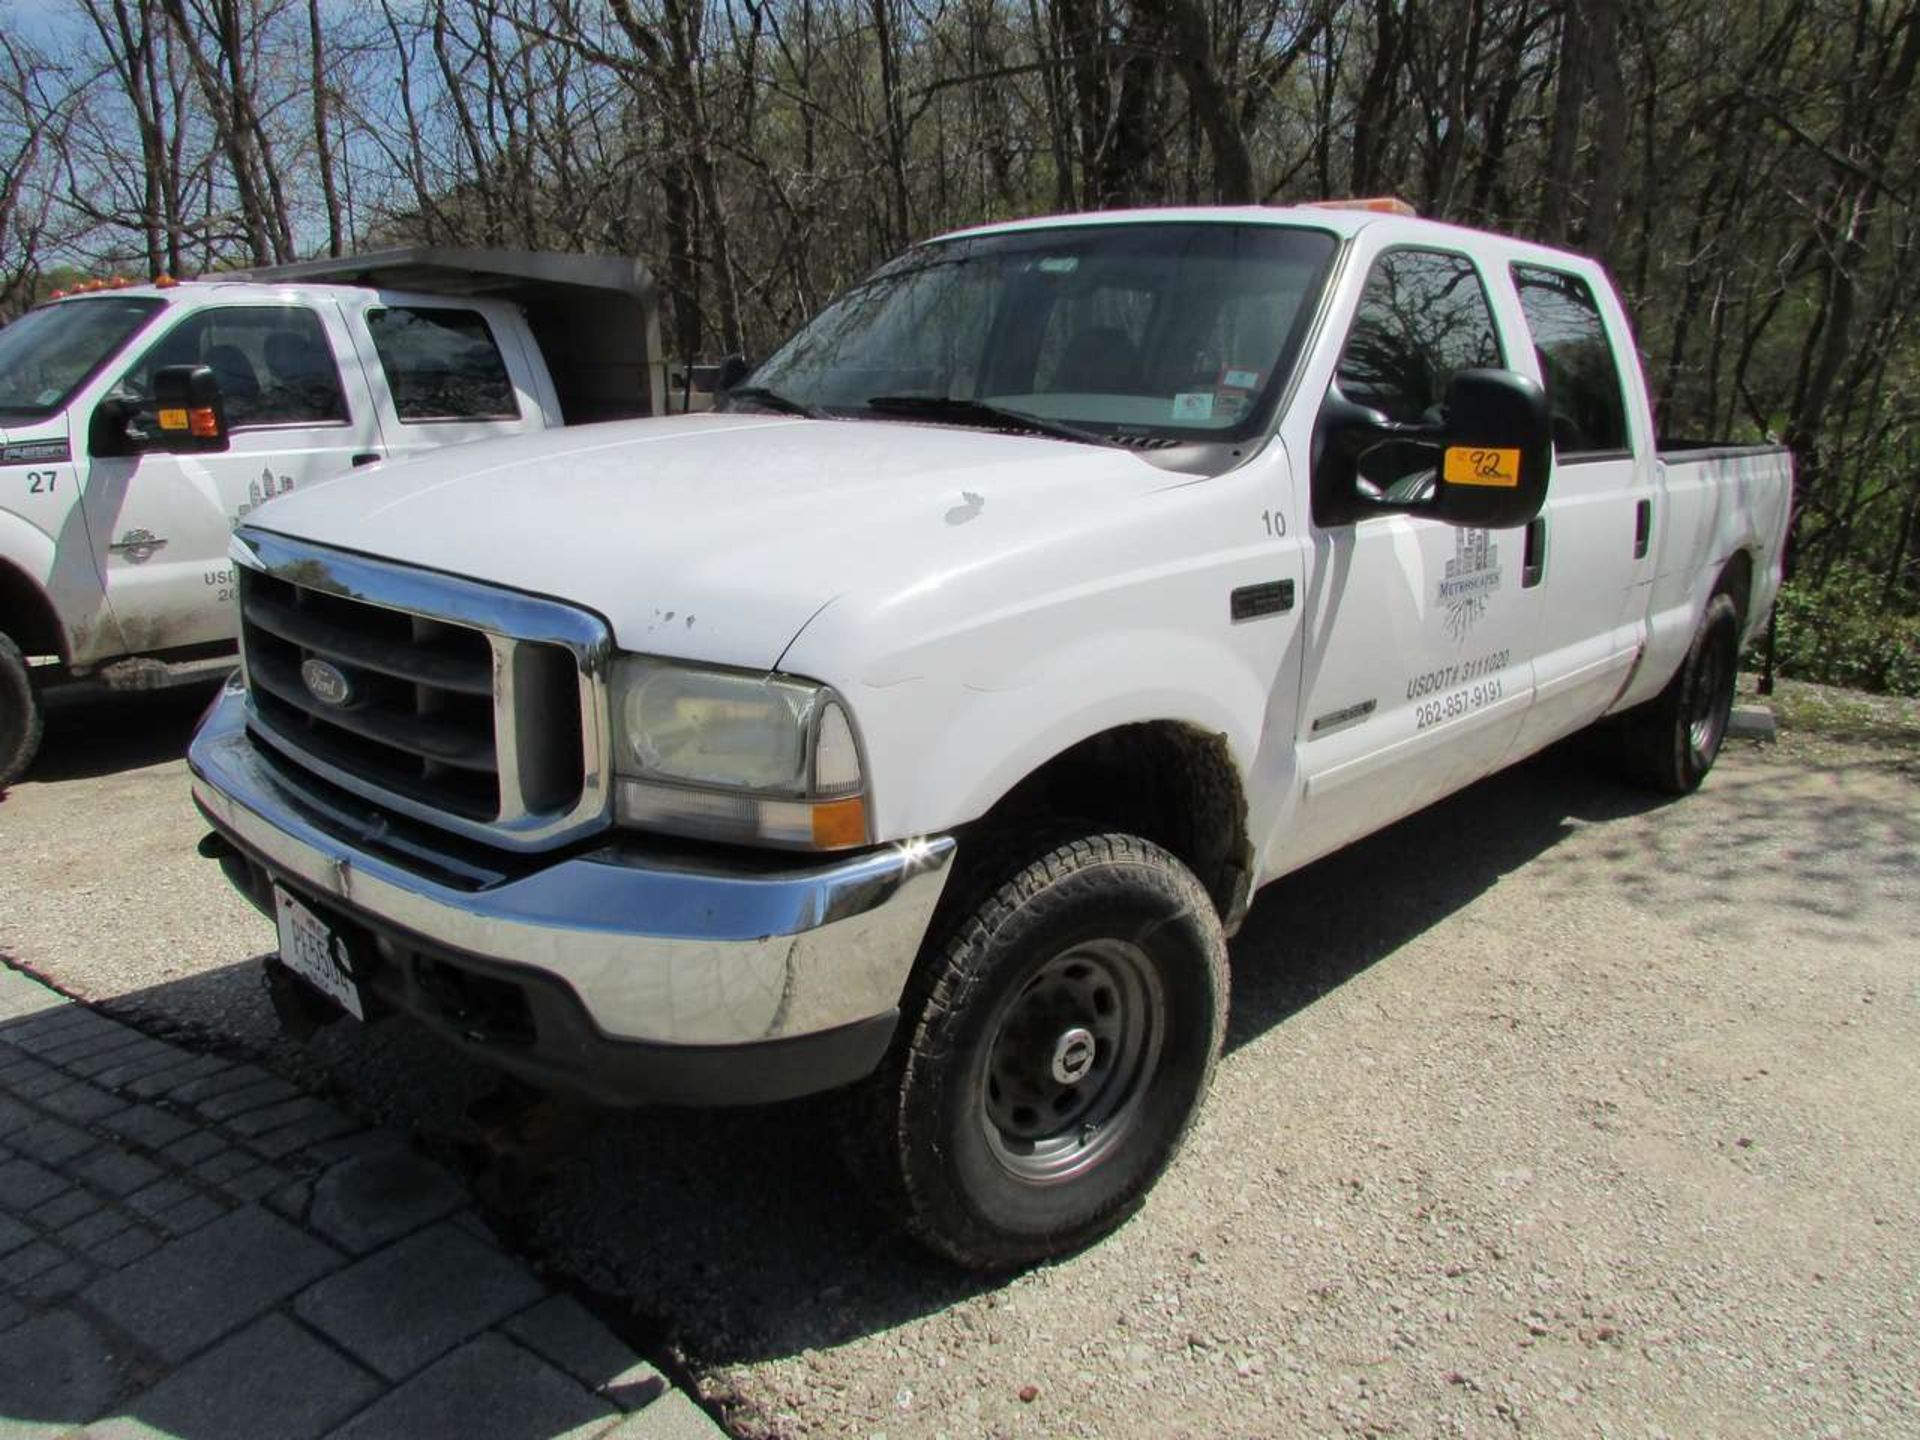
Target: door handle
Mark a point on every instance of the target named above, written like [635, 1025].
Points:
[1533, 565]
[368, 457]
[1642, 528]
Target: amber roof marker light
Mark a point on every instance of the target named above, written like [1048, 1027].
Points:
[1379, 204]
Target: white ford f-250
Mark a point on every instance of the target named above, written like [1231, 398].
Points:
[924, 722]
[114, 527]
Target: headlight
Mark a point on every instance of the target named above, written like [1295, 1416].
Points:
[730, 755]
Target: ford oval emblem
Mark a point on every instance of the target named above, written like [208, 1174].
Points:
[326, 683]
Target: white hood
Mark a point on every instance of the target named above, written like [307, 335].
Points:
[716, 537]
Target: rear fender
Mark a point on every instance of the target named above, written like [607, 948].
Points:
[1738, 505]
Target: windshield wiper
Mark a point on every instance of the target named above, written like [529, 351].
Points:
[774, 400]
[979, 412]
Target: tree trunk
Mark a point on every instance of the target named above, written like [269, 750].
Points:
[1563, 145]
[322, 142]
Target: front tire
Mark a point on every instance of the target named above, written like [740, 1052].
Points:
[1671, 741]
[20, 717]
[1056, 1042]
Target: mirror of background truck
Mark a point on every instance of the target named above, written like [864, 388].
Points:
[111, 432]
[188, 414]
[733, 369]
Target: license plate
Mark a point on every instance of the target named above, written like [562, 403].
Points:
[313, 952]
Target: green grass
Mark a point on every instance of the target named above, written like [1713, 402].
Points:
[1832, 713]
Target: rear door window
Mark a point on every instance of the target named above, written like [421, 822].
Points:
[442, 364]
[1576, 361]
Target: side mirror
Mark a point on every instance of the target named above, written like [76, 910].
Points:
[733, 369]
[188, 412]
[110, 432]
[1486, 463]
[1496, 451]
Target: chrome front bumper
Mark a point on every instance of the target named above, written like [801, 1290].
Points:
[662, 951]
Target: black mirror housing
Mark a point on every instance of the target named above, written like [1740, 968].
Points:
[1491, 455]
[188, 413]
[110, 431]
[1496, 451]
[733, 369]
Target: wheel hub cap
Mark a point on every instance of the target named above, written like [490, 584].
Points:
[1070, 1057]
[1073, 1056]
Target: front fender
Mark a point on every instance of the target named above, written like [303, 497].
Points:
[943, 752]
[32, 577]
[27, 548]
[965, 679]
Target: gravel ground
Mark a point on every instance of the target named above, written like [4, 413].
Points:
[1553, 1110]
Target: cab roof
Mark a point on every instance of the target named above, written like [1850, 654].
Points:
[1338, 220]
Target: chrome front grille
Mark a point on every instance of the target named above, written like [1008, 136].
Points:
[479, 709]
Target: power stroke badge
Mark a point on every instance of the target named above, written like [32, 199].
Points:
[1471, 576]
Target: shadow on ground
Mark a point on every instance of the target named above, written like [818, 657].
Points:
[90, 734]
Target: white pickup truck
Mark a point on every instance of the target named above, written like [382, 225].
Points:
[114, 529]
[925, 721]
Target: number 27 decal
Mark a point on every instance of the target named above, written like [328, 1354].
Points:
[42, 482]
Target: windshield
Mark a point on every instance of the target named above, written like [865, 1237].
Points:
[49, 353]
[1175, 330]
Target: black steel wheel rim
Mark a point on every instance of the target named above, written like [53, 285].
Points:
[1071, 1056]
[1712, 700]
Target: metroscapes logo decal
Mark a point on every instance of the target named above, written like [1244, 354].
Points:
[1472, 575]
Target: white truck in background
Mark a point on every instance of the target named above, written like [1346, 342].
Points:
[114, 530]
[924, 721]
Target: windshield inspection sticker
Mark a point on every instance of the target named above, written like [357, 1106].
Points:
[1193, 405]
[1240, 379]
[1059, 264]
[1471, 576]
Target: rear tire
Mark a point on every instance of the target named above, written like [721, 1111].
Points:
[1671, 741]
[1055, 1043]
[20, 718]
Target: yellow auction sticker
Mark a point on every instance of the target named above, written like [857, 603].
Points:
[1465, 465]
[177, 420]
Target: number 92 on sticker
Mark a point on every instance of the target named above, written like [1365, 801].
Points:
[1474, 465]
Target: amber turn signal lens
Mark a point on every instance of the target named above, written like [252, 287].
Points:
[840, 824]
[203, 424]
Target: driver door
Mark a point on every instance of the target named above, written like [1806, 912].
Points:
[298, 412]
[1417, 674]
